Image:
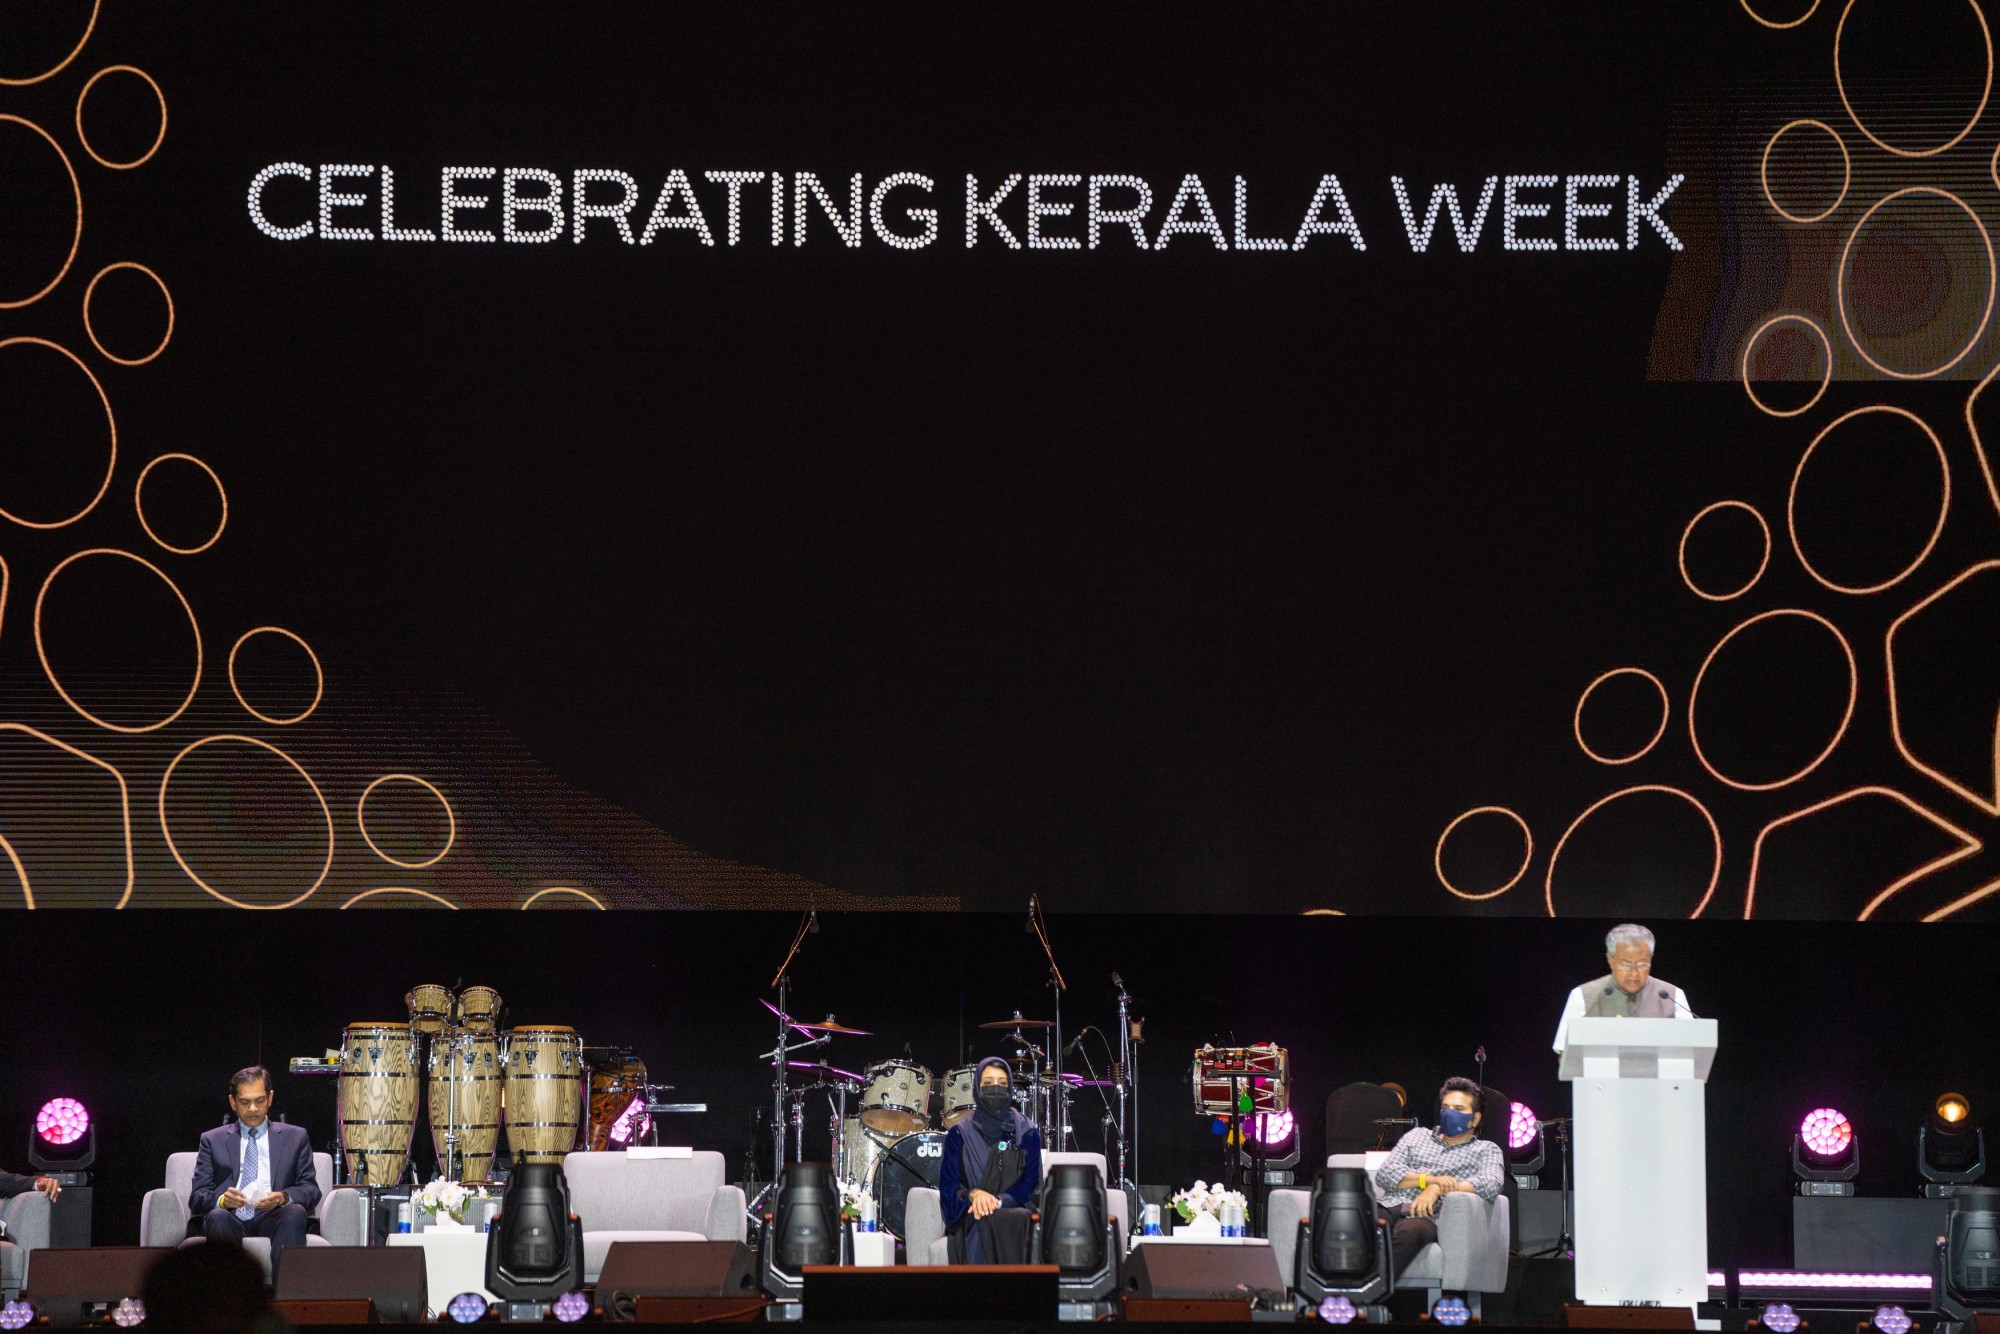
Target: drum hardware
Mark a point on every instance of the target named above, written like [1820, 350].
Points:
[832, 1025]
[1124, 1072]
[780, 1053]
[1056, 1133]
[1017, 1023]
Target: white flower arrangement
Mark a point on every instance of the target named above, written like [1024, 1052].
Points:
[851, 1194]
[1202, 1198]
[443, 1197]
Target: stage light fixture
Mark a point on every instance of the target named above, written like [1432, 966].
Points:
[804, 1229]
[1951, 1147]
[1526, 1151]
[1779, 1318]
[1892, 1320]
[534, 1252]
[468, 1308]
[1969, 1254]
[1277, 1144]
[16, 1315]
[574, 1306]
[64, 1138]
[1338, 1311]
[1342, 1251]
[62, 1121]
[633, 1124]
[1826, 1153]
[1077, 1233]
[129, 1313]
[1452, 1311]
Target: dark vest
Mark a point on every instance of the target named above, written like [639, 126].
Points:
[1654, 1001]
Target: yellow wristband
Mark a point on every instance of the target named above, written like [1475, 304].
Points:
[1423, 1181]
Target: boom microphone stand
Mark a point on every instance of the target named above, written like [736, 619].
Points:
[1059, 1118]
[1128, 1085]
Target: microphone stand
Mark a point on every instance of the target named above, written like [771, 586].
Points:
[1060, 1112]
[780, 1054]
[1128, 1159]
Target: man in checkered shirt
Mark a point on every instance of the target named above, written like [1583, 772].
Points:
[1427, 1165]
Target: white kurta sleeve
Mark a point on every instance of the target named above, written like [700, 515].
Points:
[1572, 1009]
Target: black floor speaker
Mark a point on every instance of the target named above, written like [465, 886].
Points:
[390, 1276]
[64, 1285]
[635, 1269]
[1195, 1269]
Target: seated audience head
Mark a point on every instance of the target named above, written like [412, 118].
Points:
[250, 1095]
[207, 1289]
[1460, 1106]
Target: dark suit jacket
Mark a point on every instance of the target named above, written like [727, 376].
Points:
[11, 1185]
[215, 1168]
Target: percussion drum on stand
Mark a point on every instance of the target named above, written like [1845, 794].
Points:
[471, 1061]
[959, 1094]
[479, 1009]
[544, 1091]
[430, 1007]
[896, 1096]
[378, 1101]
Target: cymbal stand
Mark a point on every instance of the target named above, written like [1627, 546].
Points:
[1128, 1091]
[1059, 1116]
[780, 1052]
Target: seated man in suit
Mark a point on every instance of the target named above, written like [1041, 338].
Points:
[1427, 1165]
[12, 1185]
[254, 1178]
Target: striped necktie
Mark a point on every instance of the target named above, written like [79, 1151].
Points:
[249, 1211]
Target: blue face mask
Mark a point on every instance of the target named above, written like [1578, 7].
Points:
[1454, 1122]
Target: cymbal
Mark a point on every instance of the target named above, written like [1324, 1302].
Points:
[1018, 1022]
[832, 1025]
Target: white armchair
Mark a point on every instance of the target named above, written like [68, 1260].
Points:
[1469, 1256]
[924, 1241]
[27, 1218]
[342, 1211]
[623, 1198]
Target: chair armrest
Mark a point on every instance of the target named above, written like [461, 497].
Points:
[728, 1217]
[27, 1219]
[1472, 1233]
[1284, 1210]
[163, 1219]
[923, 1223]
[343, 1216]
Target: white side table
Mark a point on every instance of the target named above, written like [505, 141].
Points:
[454, 1262]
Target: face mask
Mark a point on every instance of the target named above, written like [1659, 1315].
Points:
[1454, 1122]
[993, 1097]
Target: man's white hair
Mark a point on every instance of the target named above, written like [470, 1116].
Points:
[1631, 933]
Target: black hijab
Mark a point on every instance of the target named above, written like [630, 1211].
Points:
[994, 1157]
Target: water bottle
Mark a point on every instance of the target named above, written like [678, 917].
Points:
[1232, 1219]
[403, 1216]
[1152, 1224]
[868, 1222]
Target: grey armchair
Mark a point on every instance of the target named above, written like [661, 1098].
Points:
[1469, 1256]
[923, 1214]
[27, 1219]
[342, 1212]
[622, 1198]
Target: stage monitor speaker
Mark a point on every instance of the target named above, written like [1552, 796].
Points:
[66, 1284]
[1188, 1270]
[925, 1292]
[390, 1276]
[637, 1269]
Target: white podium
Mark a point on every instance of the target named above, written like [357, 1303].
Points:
[1641, 1160]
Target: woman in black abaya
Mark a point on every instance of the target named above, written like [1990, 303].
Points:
[992, 1167]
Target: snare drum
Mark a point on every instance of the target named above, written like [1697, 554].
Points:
[544, 1092]
[479, 1009]
[960, 1094]
[378, 1100]
[896, 1096]
[430, 1007]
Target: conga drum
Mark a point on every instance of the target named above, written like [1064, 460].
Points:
[430, 1007]
[378, 1100]
[615, 1084]
[465, 1092]
[544, 1092]
[479, 1009]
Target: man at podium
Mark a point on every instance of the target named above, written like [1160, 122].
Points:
[1629, 990]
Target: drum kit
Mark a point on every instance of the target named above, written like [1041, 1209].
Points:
[539, 1081]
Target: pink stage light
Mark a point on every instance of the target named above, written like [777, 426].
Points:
[1522, 1127]
[1273, 1128]
[632, 1124]
[62, 1121]
[1825, 1132]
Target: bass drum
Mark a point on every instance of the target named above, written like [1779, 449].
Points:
[912, 1161]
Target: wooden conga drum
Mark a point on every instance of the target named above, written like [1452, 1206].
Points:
[378, 1101]
[479, 1009]
[430, 1007]
[465, 1091]
[545, 1076]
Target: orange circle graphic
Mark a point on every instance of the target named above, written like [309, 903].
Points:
[95, 342]
[41, 650]
[451, 821]
[1714, 830]
[84, 139]
[1764, 171]
[561, 889]
[167, 829]
[1811, 9]
[1749, 583]
[139, 504]
[76, 234]
[1840, 282]
[1825, 378]
[1666, 708]
[110, 465]
[1840, 83]
[1527, 856]
[1853, 690]
[319, 677]
[57, 68]
[1937, 529]
[400, 889]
